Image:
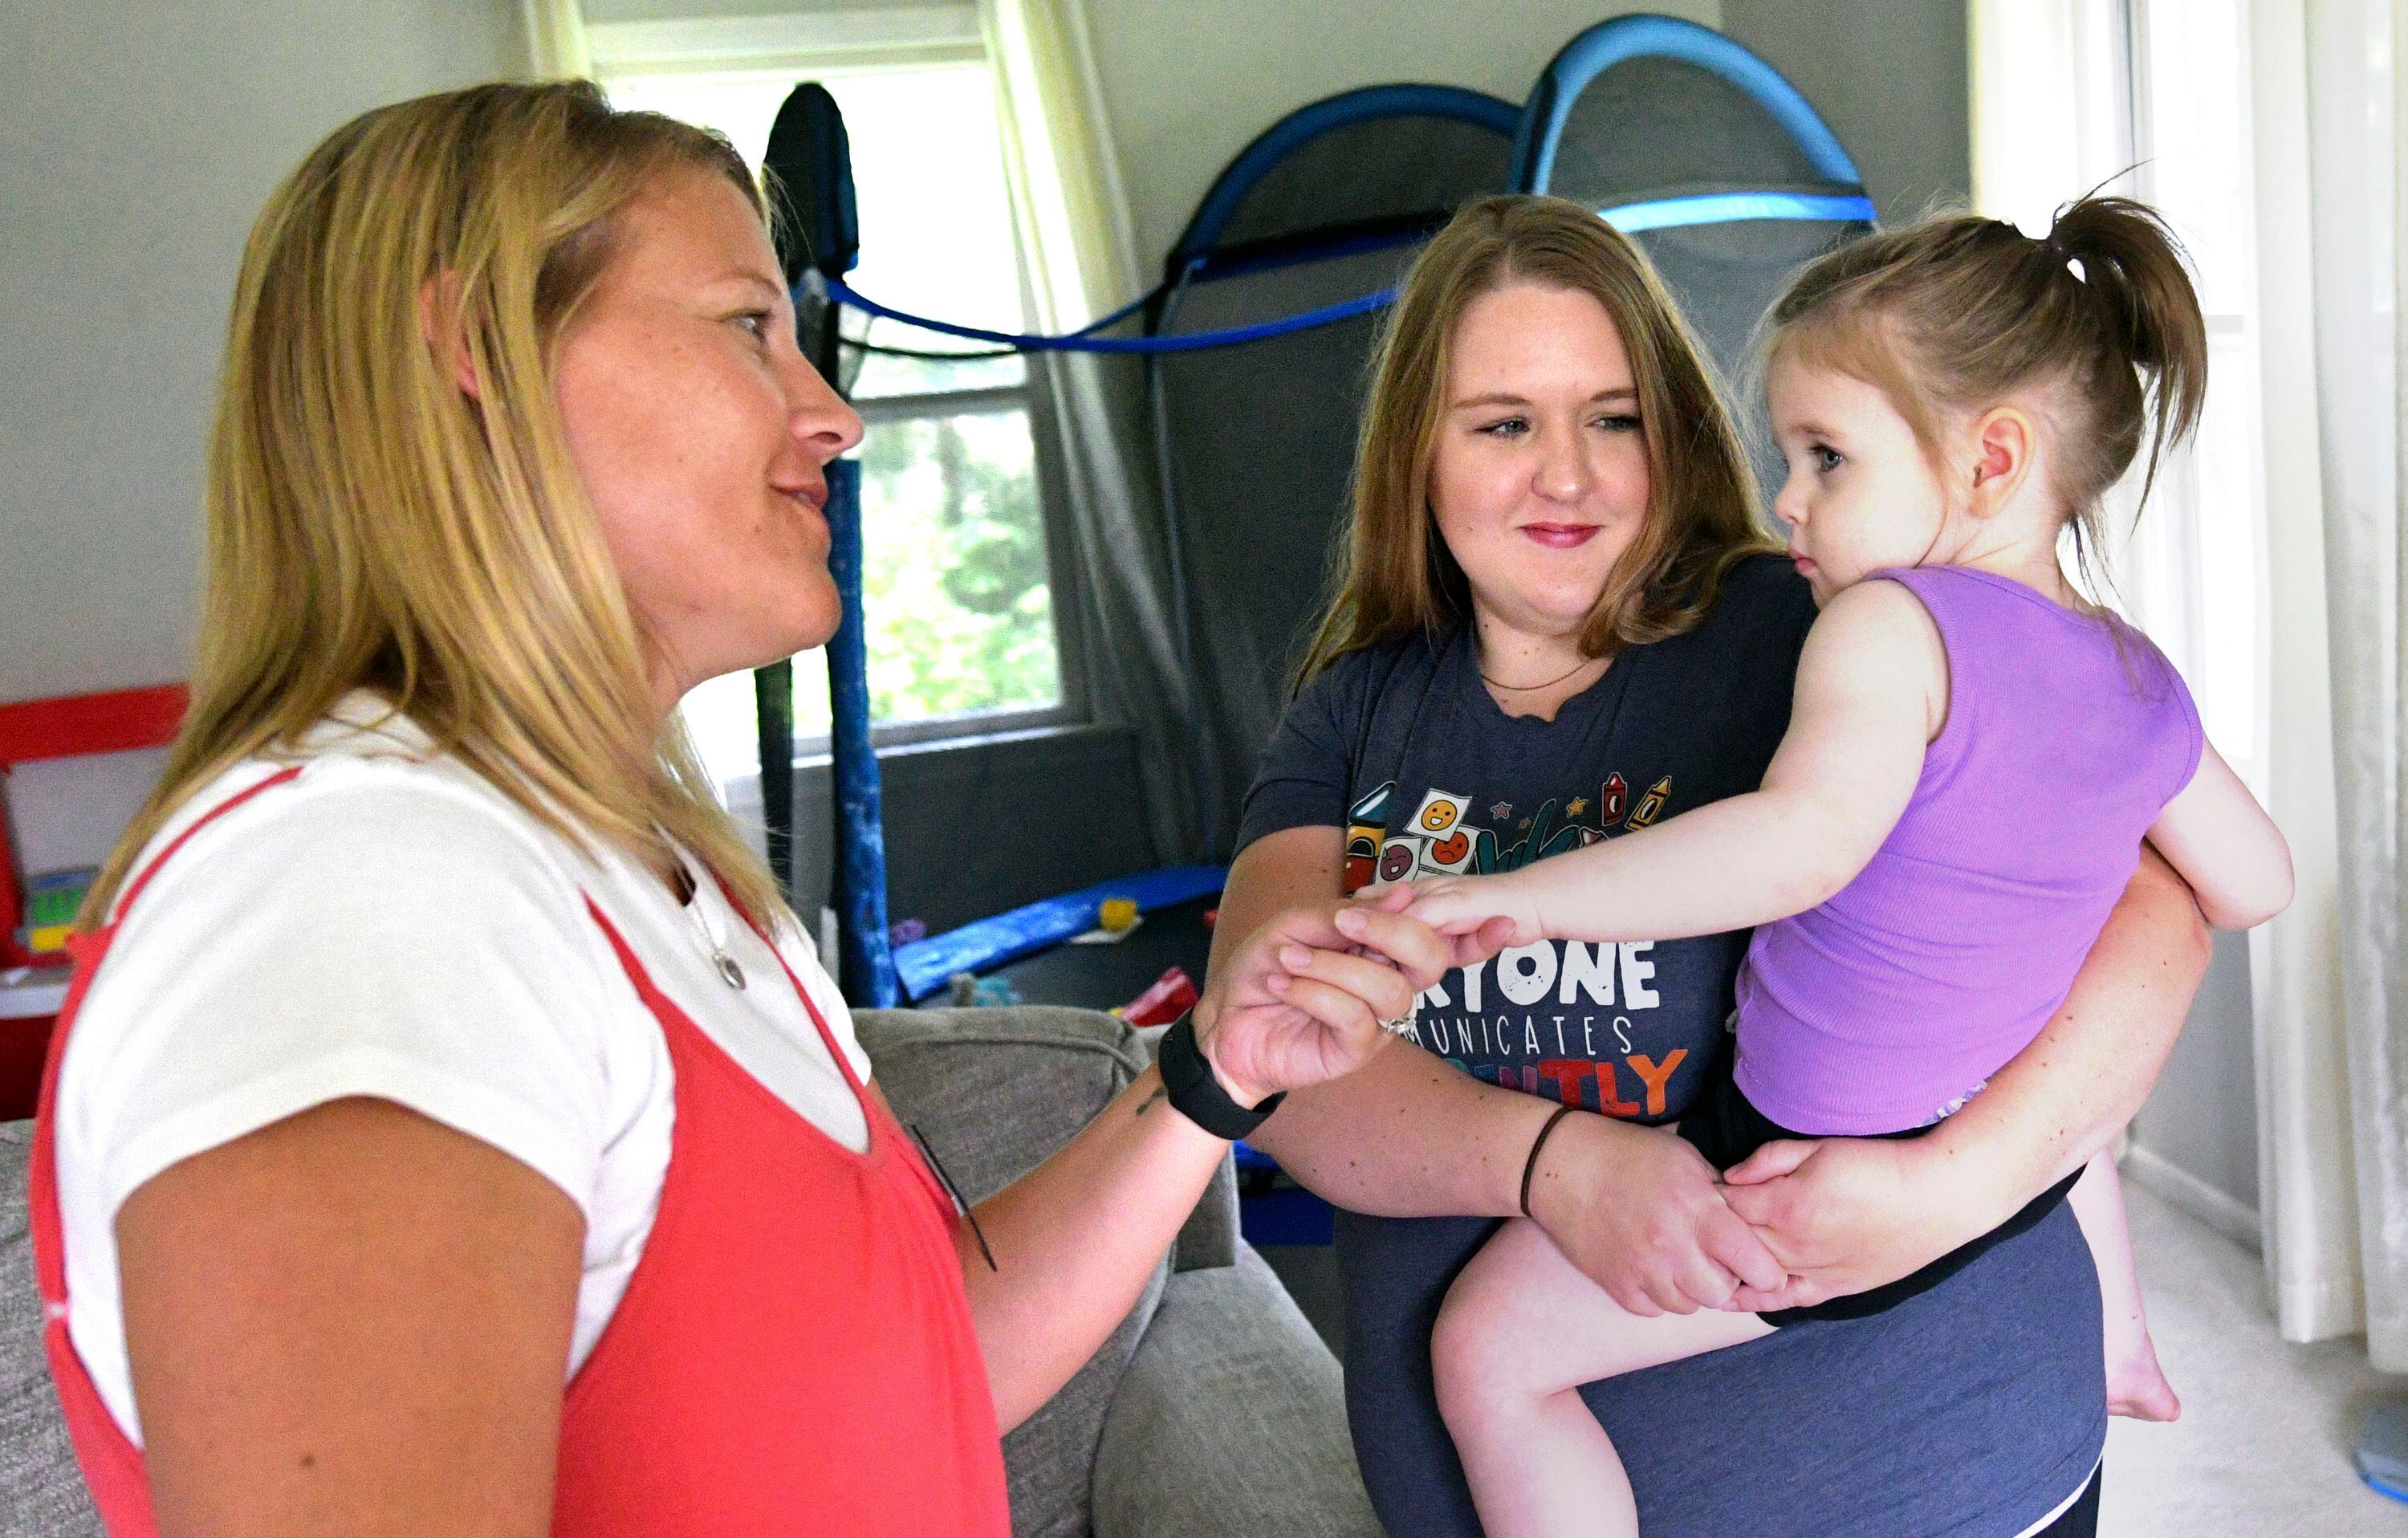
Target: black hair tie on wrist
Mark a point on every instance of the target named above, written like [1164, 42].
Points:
[1530, 1165]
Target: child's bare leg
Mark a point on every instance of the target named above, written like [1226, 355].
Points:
[1522, 1329]
[2136, 1385]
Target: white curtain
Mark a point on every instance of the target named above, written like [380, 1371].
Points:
[1079, 254]
[2063, 89]
[2337, 1173]
[2307, 1214]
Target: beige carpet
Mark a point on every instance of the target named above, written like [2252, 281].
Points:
[2262, 1449]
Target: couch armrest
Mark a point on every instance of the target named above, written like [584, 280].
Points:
[997, 1089]
[1230, 1421]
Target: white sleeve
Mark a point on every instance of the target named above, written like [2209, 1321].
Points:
[371, 929]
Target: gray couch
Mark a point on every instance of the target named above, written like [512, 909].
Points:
[1215, 1409]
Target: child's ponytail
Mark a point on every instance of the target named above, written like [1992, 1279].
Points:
[2132, 265]
[1959, 313]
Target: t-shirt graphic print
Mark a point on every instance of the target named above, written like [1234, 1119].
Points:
[1402, 748]
[1583, 1024]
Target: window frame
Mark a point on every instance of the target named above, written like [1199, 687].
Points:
[794, 45]
[2160, 563]
[2180, 551]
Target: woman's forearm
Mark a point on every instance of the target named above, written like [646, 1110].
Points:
[2084, 1077]
[1075, 1240]
[1407, 1136]
[1403, 1136]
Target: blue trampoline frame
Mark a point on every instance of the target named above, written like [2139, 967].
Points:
[1309, 123]
[1626, 38]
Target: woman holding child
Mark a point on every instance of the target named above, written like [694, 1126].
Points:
[1560, 627]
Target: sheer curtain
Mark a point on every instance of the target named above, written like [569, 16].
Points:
[2289, 626]
[1080, 255]
[2347, 1255]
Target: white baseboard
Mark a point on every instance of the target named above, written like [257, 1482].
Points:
[2217, 1209]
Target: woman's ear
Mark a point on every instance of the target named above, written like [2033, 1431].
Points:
[2004, 444]
[445, 329]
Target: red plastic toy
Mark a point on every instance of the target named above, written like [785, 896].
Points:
[1173, 993]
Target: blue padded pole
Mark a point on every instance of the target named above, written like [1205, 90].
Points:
[865, 954]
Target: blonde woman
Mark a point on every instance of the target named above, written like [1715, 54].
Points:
[1560, 624]
[447, 1132]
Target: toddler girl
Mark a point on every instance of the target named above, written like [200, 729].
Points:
[1974, 757]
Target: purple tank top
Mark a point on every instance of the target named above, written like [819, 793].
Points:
[1887, 1006]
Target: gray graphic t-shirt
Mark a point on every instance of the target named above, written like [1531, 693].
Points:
[1973, 1410]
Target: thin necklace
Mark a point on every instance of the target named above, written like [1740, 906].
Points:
[1528, 688]
[707, 928]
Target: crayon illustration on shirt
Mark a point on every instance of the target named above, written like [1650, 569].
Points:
[1564, 1019]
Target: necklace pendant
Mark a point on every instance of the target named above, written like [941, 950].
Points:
[729, 972]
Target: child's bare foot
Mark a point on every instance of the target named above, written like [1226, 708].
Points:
[2137, 1387]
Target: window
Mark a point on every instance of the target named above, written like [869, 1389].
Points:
[2191, 134]
[2151, 98]
[958, 580]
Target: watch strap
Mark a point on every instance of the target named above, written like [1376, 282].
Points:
[1197, 1094]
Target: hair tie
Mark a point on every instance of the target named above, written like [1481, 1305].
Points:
[2060, 255]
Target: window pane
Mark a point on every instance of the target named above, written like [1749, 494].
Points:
[2198, 139]
[936, 222]
[954, 586]
[960, 613]
[928, 182]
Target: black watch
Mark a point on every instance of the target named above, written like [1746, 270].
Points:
[1197, 1094]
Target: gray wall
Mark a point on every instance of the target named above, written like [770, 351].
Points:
[2196, 1141]
[602, 12]
[1891, 76]
[142, 138]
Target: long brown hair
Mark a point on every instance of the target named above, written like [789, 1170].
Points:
[1398, 576]
[1957, 313]
[370, 528]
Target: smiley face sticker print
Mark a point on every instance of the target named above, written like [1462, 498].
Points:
[1446, 842]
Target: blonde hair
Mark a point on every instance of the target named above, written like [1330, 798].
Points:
[1397, 575]
[371, 527]
[1956, 313]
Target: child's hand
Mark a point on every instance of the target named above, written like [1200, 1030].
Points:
[1467, 949]
[1464, 905]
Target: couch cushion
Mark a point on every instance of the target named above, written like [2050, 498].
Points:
[1230, 1421]
[41, 1490]
[1068, 1062]
[995, 1091]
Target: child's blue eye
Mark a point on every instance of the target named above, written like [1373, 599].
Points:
[1826, 458]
